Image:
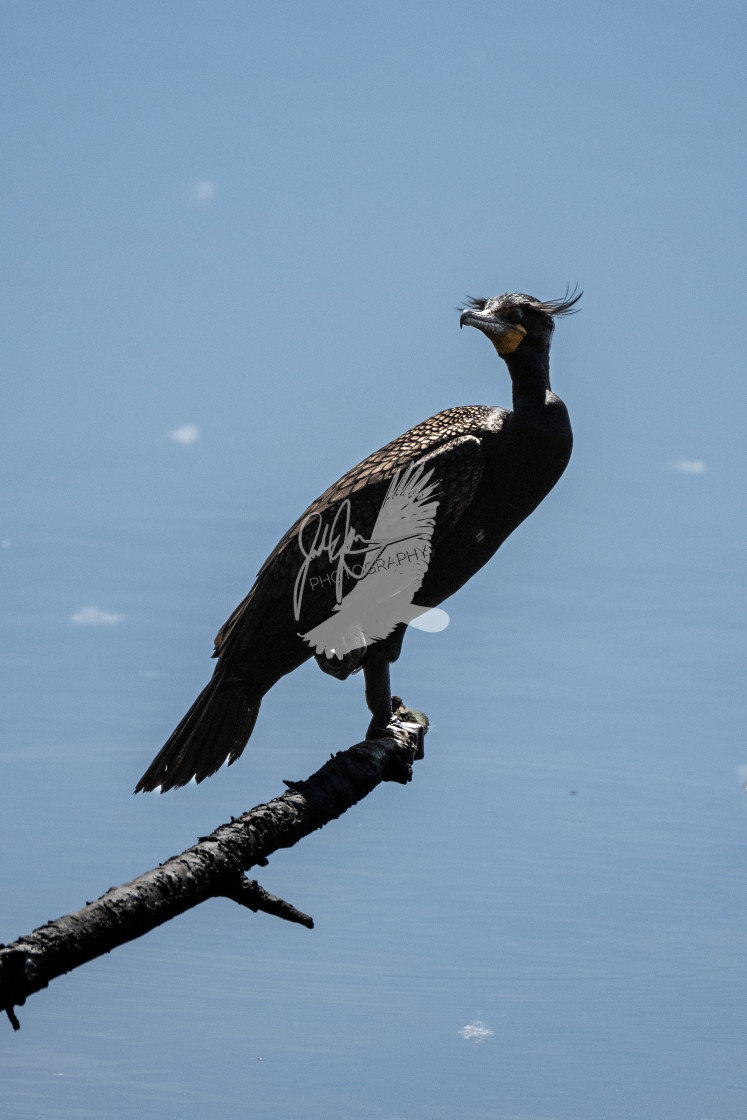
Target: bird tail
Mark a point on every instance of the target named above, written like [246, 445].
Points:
[217, 727]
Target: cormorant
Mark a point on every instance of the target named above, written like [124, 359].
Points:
[394, 537]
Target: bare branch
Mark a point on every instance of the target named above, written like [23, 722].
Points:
[248, 893]
[212, 868]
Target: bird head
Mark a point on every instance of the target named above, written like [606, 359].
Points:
[515, 320]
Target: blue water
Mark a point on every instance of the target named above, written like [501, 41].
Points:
[564, 876]
[259, 219]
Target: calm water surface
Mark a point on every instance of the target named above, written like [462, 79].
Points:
[564, 876]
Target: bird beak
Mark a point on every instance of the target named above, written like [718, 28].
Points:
[504, 336]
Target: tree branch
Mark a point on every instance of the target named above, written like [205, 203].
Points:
[213, 867]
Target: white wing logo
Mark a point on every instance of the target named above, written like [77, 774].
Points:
[392, 569]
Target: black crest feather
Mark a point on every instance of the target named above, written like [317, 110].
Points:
[553, 307]
[564, 306]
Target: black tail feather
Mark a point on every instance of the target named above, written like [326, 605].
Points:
[215, 729]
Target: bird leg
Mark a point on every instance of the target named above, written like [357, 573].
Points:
[387, 709]
[378, 692]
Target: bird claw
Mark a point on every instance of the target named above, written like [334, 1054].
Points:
[413, 723]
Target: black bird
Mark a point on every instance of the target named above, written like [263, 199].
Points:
[395, 536]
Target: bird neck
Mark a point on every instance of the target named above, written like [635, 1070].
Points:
[530, 379]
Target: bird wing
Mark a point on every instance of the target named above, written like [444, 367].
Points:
[447, 448]
[390, 572]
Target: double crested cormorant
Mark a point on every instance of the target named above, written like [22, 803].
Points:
[394, 537]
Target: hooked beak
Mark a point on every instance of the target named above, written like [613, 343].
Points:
[504, 336]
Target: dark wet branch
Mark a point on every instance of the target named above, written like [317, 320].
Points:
[212, 868]
[247, 892]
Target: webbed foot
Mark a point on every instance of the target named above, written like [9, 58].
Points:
[414, 723]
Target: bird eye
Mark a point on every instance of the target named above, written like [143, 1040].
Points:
[515, 315]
